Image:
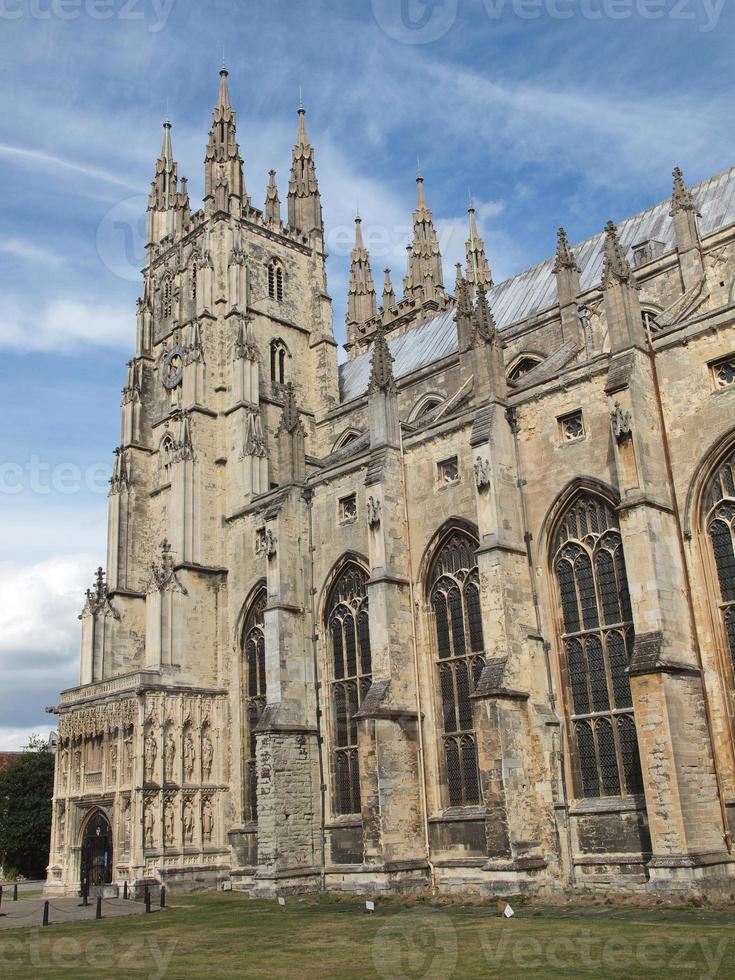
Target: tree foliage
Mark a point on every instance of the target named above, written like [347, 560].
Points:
[26, 791]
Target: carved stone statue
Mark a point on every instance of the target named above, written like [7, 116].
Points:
[113, 762]
[207, 756]
[148, 822]
[168, 823]
[127, 818]
[151, 751]
[62, 826]
[207, 822]
[128, 748]
[169, 757]
[482, 473]
[189, 756]
[188, 822]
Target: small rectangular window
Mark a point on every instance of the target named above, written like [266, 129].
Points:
[571, 427]
[348, 509]
[723, 371]
[449, 471]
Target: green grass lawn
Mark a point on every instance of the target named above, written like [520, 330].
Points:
[227, 935]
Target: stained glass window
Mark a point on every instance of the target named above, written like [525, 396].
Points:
[454, 595]
[720, 524]
[597, 641]
[349, 628]
[254, 692]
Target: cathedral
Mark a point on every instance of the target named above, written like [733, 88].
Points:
[454, 616]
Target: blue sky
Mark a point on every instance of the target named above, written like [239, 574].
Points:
[547, 111]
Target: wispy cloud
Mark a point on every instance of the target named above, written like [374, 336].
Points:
[65, 325]
[29, 251]
[49, 160]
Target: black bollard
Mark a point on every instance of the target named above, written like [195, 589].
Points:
[1, 896]
[163, 896]
[45, 914]
[147, 900]
[125, 890]
[98, 910]
[15, 892]
[85, 893]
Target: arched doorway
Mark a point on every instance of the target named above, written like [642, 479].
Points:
[96, 866]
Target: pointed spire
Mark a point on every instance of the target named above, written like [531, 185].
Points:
[478, 268]
[424, 277]
[224, 187]
[361, 304]
[164, 188]
[272, 201]
[223, 101]
[168, 207]
[568, 289]
[616, 268]
[304, 201]
[389, 293]
[381, 364]
[681, 197]
[564, 255]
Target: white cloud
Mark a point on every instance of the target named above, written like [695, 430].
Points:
[39, 606]
[51, 161]
[39, 640]
[29, 251]
[65, 325]
[15, 739]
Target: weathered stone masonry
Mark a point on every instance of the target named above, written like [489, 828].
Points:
[456, 614]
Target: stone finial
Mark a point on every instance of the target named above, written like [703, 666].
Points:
[361, 304]
[304, 200]
[389, 293]
[483, 319]
[290, 417]
[462, 294]
[165, 194]
[564, 255]
[424, 276]
[120, 479]
[616, 268]
[223, 169]
[681, 197]
[381, 365]
[272, 201]
[478, 268]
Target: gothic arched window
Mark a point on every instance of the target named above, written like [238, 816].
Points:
[275, 280]
[719, 510]
[279, 353]
[348, 629]
[254, 692]
[167, 292]
[454, 599]
[165, 461]
[522, 365]
[597, 640]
